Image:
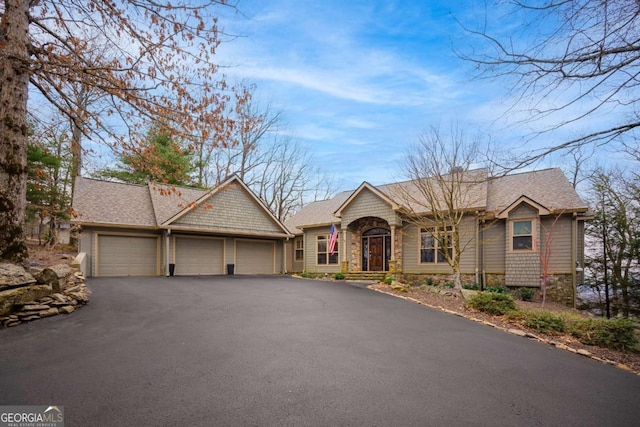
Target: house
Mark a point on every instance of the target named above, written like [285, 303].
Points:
[514, 229]
[155, 229]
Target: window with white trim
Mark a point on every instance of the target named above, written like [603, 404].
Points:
[323, 255]
[522, 235]
[433, 245]
[299, 249]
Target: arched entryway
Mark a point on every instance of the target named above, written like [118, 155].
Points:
[376, 249]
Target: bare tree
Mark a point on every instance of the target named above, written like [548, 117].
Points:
[287, 178]
[443, 189]
[161, 53]
[568, 61]
[614, 259]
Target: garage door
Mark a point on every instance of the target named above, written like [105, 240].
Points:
[254, 257]
[198, 256]
[127, 256]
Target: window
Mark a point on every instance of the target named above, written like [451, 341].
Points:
[433, 245]
[324, 257]
[522, 235]
[299, 244]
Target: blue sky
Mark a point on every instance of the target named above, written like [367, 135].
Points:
[358, 80]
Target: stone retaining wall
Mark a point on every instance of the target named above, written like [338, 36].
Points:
[25, 297]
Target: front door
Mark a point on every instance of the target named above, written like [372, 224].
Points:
[376, 253]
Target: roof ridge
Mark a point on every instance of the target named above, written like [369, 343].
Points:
[111, 182]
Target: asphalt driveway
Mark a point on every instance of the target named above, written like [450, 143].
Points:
[278, 351]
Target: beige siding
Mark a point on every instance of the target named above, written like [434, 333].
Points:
[411, 254]
[411, 250]
[494, 247]
[310, 252]
[292, 264]
[231, 208]
[367, 204]
[560, 243]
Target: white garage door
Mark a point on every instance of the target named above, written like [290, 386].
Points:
[127, 256]
[198, 256]
[254, 257]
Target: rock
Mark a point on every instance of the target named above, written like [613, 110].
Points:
[62, 270]
[14, 275]
[67, 309]
[50, 278]
[584, 352]
[468, 293]
[20, 296]
[35, 307]
[23, 314]
[399, 288]
[59, 297]
[12, 323]
[51, 312]
[517, 332]
[28, 319]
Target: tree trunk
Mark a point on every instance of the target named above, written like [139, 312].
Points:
[14, 85]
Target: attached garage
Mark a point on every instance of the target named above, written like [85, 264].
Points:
[255, 257]
[198, 256]
[127, 255]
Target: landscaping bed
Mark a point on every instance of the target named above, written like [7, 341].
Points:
[451, 301]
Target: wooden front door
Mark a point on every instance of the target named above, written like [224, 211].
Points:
[376, 253]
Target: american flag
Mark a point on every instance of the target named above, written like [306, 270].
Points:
[333, 231]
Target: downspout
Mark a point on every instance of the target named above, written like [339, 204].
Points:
[483, 261]
[304, 251]
[166, 245]
[574, 261]
[284, 255]
[477, 250]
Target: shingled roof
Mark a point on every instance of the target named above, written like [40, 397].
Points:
[548, 187]
[112, 203]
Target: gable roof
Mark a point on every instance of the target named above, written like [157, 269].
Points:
[542, 210]
[547, 189]
[155, 206]
[366, 186]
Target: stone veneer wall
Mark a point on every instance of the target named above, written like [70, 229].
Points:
[356, 230]
[560, 289]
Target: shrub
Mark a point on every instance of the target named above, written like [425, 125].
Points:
[306, 275]
[524, 294]
[545, 322]
[492, 303]
[429, 281]
[338, 276]
[471, 286]
[618, 333]
[388, 280]
[449, 285]
[496, 289]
